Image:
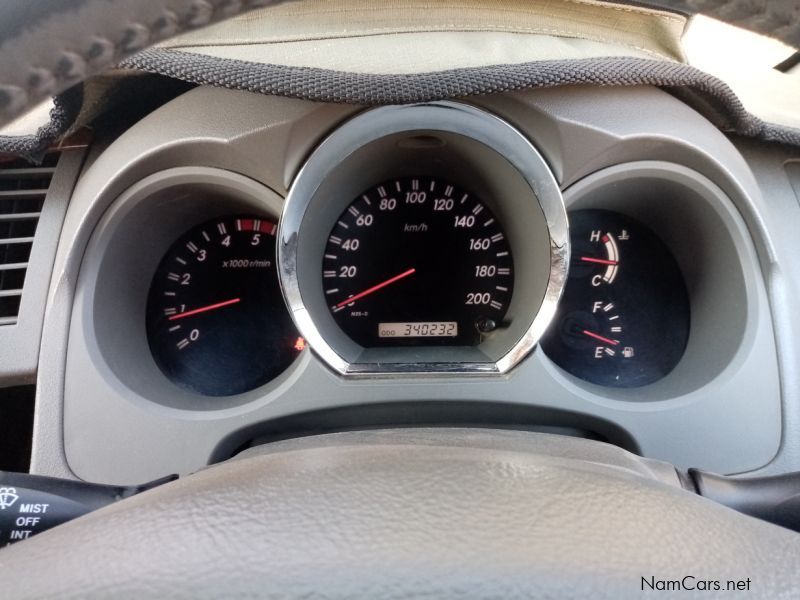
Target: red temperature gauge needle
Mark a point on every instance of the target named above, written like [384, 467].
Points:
[203, 309]
[600, 261]
[375, 288]
[600, 337]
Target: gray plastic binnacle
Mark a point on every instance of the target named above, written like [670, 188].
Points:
[777, 172]
[727, 418]
[412, 514]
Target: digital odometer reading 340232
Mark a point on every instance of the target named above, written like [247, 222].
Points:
[418, 261]
[395, 330]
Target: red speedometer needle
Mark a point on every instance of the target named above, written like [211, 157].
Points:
[203, 309]
[375, 288]
[600, 261]
[600, 337]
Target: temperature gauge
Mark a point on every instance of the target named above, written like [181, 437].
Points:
[624, 318]
[596, 255]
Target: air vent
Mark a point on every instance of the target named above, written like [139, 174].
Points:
[23, 188]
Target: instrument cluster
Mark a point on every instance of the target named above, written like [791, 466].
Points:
[435, 264]
[398, 252]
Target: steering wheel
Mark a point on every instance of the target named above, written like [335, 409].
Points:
[399, 513]
[432, 513]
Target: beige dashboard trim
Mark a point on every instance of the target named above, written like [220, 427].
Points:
[368, 55]
[642, 31]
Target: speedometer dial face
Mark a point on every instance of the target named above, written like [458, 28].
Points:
[216, 320]
[418, 261]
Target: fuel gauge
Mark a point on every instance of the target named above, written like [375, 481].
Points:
[597, 331]
[624, 318]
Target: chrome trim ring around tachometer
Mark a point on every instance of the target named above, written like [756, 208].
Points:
[457, 119]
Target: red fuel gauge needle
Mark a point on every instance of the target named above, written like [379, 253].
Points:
[203, 309]
[600, 261]
[375, 288]
[600, 337]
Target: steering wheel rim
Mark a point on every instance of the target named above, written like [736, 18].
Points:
[409, 513]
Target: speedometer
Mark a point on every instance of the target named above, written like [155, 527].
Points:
[418, 261]
[423, 239]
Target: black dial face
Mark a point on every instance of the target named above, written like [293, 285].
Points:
[418, 261]
[624, 318]
[216, 320]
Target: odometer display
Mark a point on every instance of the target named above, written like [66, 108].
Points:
[418, 253]
[395, 330]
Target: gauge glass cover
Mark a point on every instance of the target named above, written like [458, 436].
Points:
[216, 321]
[418, 261]
[623, 320]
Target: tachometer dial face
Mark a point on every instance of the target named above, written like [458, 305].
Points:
[216, 320]
[418, 261]
[623, 320]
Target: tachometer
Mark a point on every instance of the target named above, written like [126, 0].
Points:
[418, 261]
[216, 320]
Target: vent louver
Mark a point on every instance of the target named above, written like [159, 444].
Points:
[23, 188]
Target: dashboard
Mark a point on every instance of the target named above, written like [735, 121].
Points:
[260, 267]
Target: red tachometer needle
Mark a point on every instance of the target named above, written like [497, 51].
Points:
[600, 337]
[203, 309]
[601, 261]
[375, 288]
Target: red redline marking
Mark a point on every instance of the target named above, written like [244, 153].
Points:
[203, 309]
[375, 288]
[267, 227]
[601, 261]
[600, 337]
